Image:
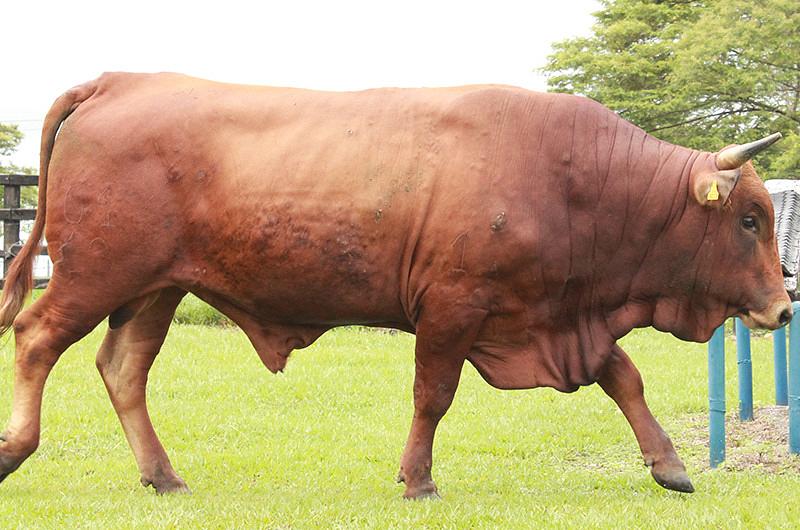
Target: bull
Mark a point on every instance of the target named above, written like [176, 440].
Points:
[523, 232]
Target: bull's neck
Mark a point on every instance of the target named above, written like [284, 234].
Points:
[603, 195]
[645, 203]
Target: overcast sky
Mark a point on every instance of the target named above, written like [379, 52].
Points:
[336, 45]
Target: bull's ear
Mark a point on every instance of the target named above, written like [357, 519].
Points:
[713, 189]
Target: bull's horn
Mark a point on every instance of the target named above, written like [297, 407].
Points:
[736, 155]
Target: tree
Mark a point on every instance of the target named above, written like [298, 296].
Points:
[10, 137]
[703, 74]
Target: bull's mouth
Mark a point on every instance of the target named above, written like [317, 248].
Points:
[749, 321]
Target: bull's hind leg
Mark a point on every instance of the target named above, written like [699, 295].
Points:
[42, 333]
[621, 381]
[124, 360]
[444, 337]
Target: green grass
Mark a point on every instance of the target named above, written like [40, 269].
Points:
[192, 310]
[319, 446]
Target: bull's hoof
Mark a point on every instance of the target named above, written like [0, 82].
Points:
[419, 489]
[7, 466]
[674, 479]
[169, 485]
[425, 491]
[174, 488]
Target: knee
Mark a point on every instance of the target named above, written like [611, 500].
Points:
[433, 402]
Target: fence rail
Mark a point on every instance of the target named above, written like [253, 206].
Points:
[15, 179]
[11, 214]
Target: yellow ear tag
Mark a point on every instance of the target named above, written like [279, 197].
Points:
[713, 193]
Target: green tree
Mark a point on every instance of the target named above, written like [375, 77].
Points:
[698, 73]
[10, 138]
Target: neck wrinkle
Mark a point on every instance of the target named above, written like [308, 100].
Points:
[652, 217]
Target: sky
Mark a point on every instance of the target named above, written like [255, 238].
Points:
[49, 47]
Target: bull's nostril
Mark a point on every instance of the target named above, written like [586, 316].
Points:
[785, 317]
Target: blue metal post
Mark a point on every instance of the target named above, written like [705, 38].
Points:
[779, 349]
[794, 382]
[745, 371]
[716, 396]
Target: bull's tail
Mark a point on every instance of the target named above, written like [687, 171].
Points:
[19, 280]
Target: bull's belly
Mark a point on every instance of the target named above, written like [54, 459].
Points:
[295, 292]
[286, 305]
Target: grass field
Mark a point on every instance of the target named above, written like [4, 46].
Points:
[319, 446]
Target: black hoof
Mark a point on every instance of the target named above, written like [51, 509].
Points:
[675, 480]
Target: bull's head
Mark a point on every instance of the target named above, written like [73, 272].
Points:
[744, 268]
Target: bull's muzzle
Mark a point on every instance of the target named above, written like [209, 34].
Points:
[776, 316]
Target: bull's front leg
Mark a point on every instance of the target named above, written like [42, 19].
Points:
[621, 381]
[434, 388]
[444, 337]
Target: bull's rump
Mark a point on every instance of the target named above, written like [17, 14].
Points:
[299, 206]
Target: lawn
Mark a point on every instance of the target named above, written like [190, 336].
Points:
[319, 445]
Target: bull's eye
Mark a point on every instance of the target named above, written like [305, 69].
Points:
[749, 223]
